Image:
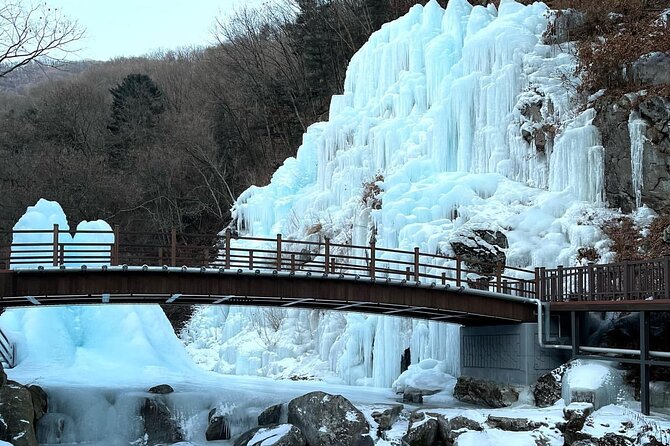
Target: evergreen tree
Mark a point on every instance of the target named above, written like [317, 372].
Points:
[136, 107]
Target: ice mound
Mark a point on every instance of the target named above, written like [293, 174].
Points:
[428, 374]
[595, 382]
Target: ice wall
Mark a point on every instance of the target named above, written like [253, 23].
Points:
[464, 119]
[114, 343]
[43, 216]
[346, 348]
[436, 103]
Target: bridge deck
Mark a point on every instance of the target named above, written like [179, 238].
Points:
[115, 285]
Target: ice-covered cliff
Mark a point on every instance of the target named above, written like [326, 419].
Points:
[451, 120]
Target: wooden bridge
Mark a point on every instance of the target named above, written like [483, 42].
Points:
[101, 267]
[125, 267]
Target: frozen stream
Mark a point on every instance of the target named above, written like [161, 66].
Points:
[107, 415]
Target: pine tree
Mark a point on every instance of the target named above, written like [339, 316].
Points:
[136, 108]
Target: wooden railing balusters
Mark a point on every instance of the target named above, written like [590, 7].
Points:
[55, 245]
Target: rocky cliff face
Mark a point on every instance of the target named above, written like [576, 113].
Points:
[613, 121]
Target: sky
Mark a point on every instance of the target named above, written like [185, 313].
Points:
[116, 28]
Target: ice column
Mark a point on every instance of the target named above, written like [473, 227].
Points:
[636, 129]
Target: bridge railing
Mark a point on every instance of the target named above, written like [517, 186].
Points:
[54, 248]
[628, 280]
[7, 351]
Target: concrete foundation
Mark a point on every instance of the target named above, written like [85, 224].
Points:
[506, 353]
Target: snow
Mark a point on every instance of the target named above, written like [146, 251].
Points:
[495, 437]
[428, 374]
[268, 437]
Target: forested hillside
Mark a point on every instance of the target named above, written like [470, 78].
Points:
[171, 139]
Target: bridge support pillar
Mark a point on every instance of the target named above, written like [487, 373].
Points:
[507, 353]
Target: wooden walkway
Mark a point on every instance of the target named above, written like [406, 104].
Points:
[146, 267]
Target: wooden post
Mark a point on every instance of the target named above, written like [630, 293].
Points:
[292, 262]
[458, 271]
[444, 278]
[278, 252]
[173, 246]
[499, 277]
[61, 254]
[55, 245]
[227, 248]
[626, 284]
[416, 264]
[332, 264]
[538, 288]
[666, 276]
[559, 285]
[407, 273]
[592, 281]
[115, 246]
[326, 255]
[373, 259]
[251, 259]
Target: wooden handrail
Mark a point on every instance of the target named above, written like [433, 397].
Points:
[635, 280]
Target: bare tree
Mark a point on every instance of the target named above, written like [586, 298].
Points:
[34, 33]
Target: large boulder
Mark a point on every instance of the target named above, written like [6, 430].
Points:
[328, 420]
[271, 415]
[513, 424]
[458, 425]
[481, 250]
[218, 427]
[387, 417]
[276, 435]
[422, 430]
[160, 426]
[17, 415]
[485, 393]
[547, 389]
[40, 401]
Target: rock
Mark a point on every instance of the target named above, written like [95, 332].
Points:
[3, 376]
[412, 395]
[271, 415]
[422, 430]
[547, 389]
[40, 401]
[277, 435]
[387, 417]
[481, 250]
[328, 420]
[159, 424]
[513, 424]
[458, 425]
[566, 23]
[484, 393]
[18, 415]
[575, 415]
[612, 122]
[218, 427]
[650, 69]
[161, 389]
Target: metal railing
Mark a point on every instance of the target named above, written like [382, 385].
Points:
[7, 351]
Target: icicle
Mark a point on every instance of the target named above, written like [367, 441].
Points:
[636, 129]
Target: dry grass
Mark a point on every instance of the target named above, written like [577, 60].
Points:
[371, 192]
[629, 244]
[615, 34]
